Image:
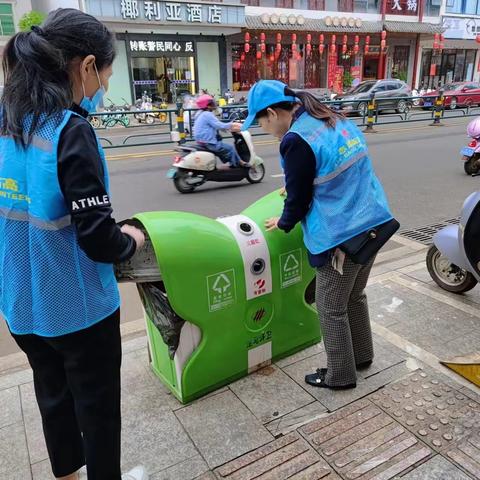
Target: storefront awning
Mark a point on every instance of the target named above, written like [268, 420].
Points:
[413, 27]
[311, 25]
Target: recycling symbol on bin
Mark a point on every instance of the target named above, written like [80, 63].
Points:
[222, 284]
[291, 263]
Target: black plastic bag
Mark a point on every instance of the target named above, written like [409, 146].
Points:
[160, 312]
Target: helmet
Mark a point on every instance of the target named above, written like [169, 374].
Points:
[203, 101]
[473, 129]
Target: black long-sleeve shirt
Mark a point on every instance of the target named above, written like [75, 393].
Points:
[300, 167]
[81, 176]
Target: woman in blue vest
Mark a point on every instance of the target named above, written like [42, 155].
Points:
[58, 240]
[332, 190]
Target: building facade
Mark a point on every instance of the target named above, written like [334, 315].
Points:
[332, 44]
[167, 48]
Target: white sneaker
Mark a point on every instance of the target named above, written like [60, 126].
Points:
[138, 473]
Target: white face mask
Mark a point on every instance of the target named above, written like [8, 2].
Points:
[91, 104]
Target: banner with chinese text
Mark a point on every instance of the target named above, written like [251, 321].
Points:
[402, 7]
[165, 12]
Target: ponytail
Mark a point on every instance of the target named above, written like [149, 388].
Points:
[36, 68]
[318, 109]
[313, 106]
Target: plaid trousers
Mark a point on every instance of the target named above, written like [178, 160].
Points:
[344, 319]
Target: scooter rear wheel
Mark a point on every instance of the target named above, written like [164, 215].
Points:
[180, 182]
[471, 166]
[256, 173]
[447, 275]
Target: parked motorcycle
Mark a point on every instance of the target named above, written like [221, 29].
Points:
[471, 153]
[196, 165]
[453, 260]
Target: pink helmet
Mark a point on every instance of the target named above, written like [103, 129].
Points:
[203, 101]
[473, 129]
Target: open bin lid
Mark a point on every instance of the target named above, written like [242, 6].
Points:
[143, 266]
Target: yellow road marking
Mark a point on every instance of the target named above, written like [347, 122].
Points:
[163, 153]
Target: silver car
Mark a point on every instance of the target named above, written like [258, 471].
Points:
[389, 95]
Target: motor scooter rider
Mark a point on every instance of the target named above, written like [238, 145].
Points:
[473, 131]
[206, 132]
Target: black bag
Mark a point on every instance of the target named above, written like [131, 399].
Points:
[363, 247]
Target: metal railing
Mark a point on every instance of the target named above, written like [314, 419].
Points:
[175, 125]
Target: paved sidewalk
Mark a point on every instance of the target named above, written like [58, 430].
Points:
[408, 418]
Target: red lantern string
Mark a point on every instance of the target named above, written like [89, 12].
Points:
[247, 37]
[333, 49]
[309, 38]
[242, 57]
[262, 47]
[279, 37]
[357, 39]
[262, 37]
[279, 47]
[321, 48]
[309, 49]
[259, 55]
[356, 48]
[246, 47]
[384, 34]
[294, 37]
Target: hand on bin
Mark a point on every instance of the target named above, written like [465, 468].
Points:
[271, 224]
[135, 233]
[236, 127]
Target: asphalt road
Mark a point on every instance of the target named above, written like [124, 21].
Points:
[418, 165]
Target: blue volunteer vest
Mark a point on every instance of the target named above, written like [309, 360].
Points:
[48, 285]
[348, 199]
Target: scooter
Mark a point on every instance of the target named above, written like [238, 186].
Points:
[144, 108]
[453, 260]
[196, 165]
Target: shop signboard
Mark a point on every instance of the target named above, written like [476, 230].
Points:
[461, 28]
[167, 12]
[142, 47]
[402, 7]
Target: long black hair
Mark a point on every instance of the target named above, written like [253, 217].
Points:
[312, 105]
[36, 68]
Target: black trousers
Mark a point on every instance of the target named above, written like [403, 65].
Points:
[77, 385]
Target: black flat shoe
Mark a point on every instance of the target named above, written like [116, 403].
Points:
[364, 365]
[317, 379]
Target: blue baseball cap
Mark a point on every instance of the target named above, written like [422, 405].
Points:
[264, 94]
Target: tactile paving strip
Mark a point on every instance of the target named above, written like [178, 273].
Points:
[289, 457]
[435, 412]
[362, 442]
[467, 455]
